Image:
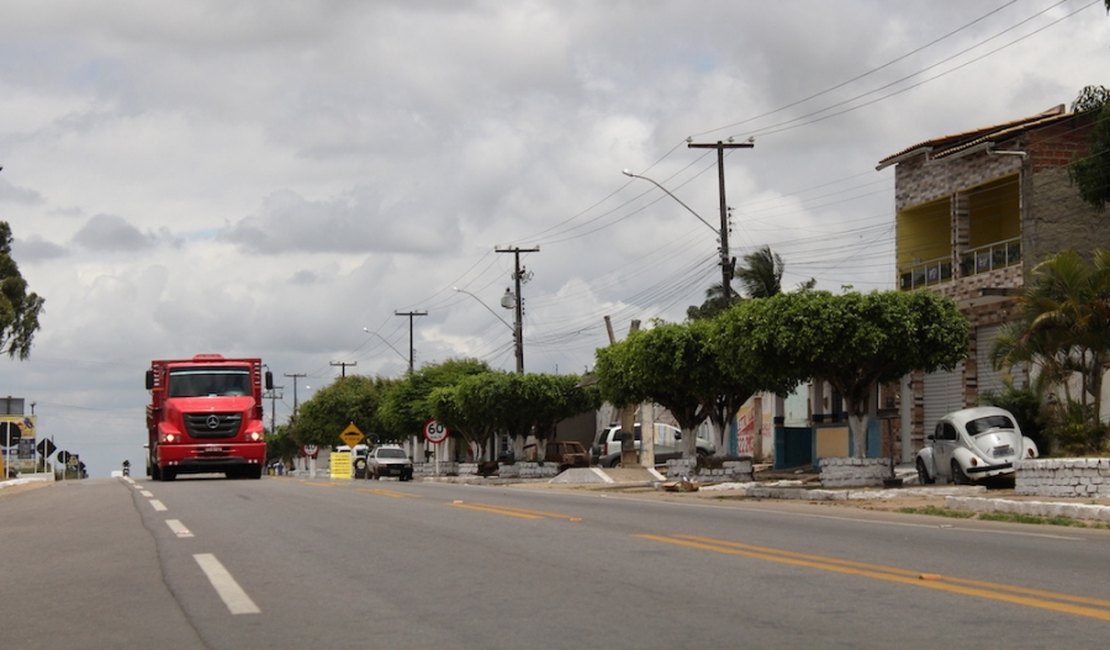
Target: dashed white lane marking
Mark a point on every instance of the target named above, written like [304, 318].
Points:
[157, 505]
[237, 600]
[146, 493]
[178, 528]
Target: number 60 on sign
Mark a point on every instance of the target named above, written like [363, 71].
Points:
[434, 432]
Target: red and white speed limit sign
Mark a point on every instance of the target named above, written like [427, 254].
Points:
[434, 432]
[310, 450]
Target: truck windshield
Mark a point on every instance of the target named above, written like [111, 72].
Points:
[209, 382]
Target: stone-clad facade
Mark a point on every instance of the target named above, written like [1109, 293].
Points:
[1009, 205]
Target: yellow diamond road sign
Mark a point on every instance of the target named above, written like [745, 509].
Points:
[351, 435]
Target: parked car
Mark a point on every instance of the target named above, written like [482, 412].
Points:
[973, 444]
[566, 453]
[388, 460]
[606, 450]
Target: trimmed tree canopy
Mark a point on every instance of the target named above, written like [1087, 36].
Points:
[853, 341]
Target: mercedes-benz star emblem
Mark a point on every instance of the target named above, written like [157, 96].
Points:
[213, 421]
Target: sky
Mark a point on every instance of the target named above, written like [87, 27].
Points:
[280, 178]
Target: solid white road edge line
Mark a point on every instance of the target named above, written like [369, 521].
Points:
[237, 600]
[178, 528]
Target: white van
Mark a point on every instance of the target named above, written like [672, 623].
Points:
[606, 450]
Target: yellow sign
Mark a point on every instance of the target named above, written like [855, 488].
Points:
[351, 435]
[341, 464]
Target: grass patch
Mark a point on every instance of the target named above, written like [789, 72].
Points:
[1035, 519]
[937, 511]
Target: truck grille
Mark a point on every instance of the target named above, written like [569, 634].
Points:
[212, 425]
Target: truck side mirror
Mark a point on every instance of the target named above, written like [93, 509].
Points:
[149, 379]
[269, 380]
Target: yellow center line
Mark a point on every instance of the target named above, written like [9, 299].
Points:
[318, 484]
[497, 511]
[1046, 600]
[537, 513]
[389, 493]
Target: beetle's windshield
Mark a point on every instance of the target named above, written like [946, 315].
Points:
[982, 425]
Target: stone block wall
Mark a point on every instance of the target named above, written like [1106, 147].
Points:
[731, 471]
[1063, 477]
[528, 470]
[853, 472]
[446, 468]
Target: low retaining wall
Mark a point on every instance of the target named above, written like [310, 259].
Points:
[853, 472]
[1063, 477]
[731, 471]
[1086, 511]
[446, 468]
[529, 470]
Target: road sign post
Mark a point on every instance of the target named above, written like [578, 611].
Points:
[435, 433]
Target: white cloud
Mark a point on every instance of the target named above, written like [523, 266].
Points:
[269, 178]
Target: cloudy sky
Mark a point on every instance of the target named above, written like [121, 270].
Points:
[267, 178]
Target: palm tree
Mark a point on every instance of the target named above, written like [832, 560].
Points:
[1064, 329]
[761, 276]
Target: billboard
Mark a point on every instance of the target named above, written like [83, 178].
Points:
[17, 435]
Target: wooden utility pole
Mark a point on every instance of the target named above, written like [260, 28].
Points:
[295, 375]
[726, 259]
[410, 315]
[518, 325]
[343, 365]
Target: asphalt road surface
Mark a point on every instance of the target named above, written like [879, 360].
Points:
[288, 563]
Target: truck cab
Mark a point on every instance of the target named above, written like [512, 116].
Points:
[205, 415]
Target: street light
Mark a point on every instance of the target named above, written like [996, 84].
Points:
[518, 340]
[726, 267]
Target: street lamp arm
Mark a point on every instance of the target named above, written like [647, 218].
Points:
[505, 322]
[680, 202]
[399, 353]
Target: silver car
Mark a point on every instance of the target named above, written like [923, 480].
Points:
[973, 444]
[388, 460]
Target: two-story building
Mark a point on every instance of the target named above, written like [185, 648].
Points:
[975, 212]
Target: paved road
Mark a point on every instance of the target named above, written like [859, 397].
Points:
[286, 563]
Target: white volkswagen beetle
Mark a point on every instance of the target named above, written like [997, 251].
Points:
[973, 444]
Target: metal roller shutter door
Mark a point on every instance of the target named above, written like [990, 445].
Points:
[944, 393]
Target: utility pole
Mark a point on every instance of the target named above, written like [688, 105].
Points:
[518, 325]
[726, 260]
[294, 376]
[411, 315]
[344, 364]
[274, 396]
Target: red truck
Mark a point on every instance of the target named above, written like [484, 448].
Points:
[205, 415]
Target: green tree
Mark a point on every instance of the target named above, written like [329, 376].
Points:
[761, 277]
[405, 407]
[467, 410]
[1063, 330]
[1091, 173]
[669, 364]
[352, 399]
[853, 341]
[555, 398]
[281, 445]
[716, 301]
[761, 273]
[19, 310]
